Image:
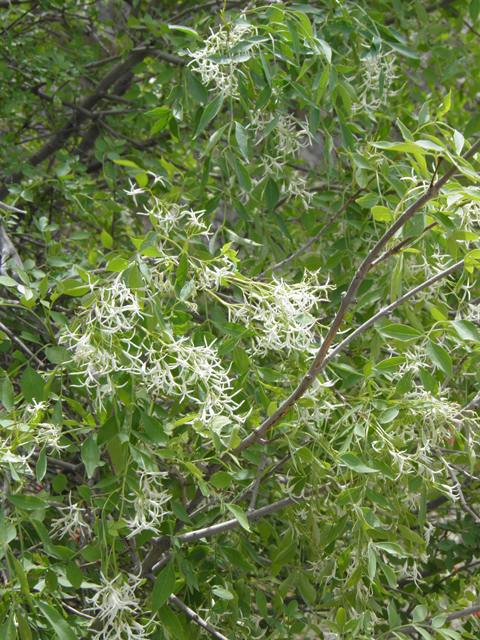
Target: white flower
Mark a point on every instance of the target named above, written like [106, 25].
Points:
[73, 523]
[148, 503]
[215, 62]
[49, 435]
[378, 75]
[281, 313]
[117, 606]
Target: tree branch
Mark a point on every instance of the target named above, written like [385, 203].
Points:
[78, 117]
[162, 544]
[216, 529]
[347, 300]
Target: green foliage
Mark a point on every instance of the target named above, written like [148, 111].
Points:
[239, 348]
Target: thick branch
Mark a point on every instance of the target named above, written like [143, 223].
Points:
[215, 529]
[78, 117]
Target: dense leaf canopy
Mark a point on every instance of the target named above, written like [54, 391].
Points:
[239, 338]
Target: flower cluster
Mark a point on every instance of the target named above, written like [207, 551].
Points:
[148, 504]
[215, 61]
[378, 76]
[282, 314]
[74, 522]
[116, 605]
[289, 136]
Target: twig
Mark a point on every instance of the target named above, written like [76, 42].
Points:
[161, 545]
[8, 207]
[388, 310]
[308, 244]
[398, 247]
[258, 480]
[215, 529]
[458, 486]
[410, 629]
[196, 618]
[21, 345]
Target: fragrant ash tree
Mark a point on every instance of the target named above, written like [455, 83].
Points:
[239, 340]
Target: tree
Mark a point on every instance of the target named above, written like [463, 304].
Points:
[239, 340]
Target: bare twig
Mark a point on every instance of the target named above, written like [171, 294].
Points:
[308, 244]
[215, 529]
[8, 207]
[258, 480]
[458, 486]
[196, 618]
[398, 247]
[410, 629]
[22, 346]
[388, 310]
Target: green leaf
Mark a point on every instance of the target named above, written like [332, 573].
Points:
[180, 512]
[26, 502]
[381, 213]
[58, 355]
[388, 415]
[272, 194]
[90, 454]
[163, 587]
[242, 140]
[261, 602]
[354, 463]
[7, 630]
[236, 558]
[210, 112]
[106, 239]
[440, 357]
[400, 332]
[32, 385]
[41, 466]
[23, 627]
[404, 51]
[405, 147]
[243, 176]
[74, 575]
[221, 480]
[466, 330]
[188, 30]
[171, 622]
[222, 593]
[474, 10]
[420, 613]
[240, 515]
[439, 621]
[73, 288]
[22, 578]
[428, 381]
[391, 547]
[7, 395]
[6, 281]
[182, 271]
[154, 429]
[142, 181]
[56, 621]
[196, 88]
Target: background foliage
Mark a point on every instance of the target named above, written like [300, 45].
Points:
[239, 340]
